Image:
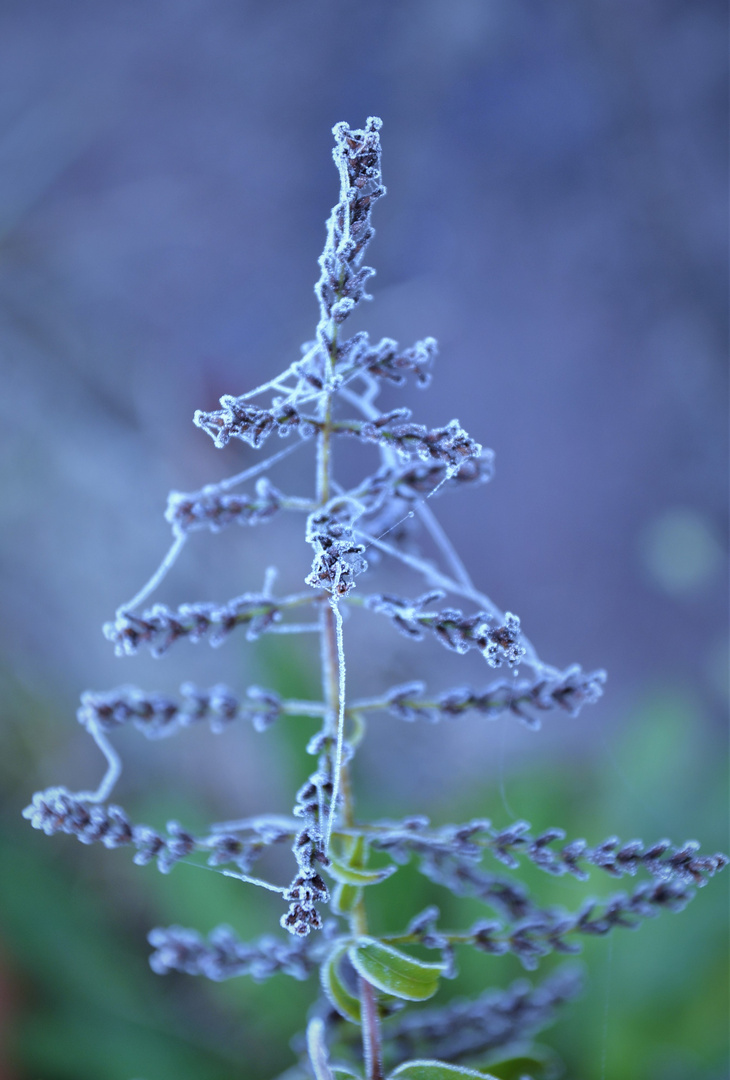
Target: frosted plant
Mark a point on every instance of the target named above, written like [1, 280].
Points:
[364, 1022]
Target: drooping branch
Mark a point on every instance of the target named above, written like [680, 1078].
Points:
[57, 810]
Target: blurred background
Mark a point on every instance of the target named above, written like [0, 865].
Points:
[557, 218]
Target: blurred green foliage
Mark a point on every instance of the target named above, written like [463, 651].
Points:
[80, 1001]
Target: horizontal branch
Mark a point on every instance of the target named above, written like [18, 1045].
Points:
[160, 626]
[57, 810]
[224, 956]
[499, 643]
[543, 932]
[497, 1018]
[450, 445]
[211, 508]
[237, 419]
[386, 360]
[568, 691]
[452, 851]
[157, 715]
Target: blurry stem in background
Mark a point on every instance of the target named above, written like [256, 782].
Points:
[113, 772]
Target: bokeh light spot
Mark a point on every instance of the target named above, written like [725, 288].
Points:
[680, 551]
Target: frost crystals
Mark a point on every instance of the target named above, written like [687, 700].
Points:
[337, 557]
[500, 643]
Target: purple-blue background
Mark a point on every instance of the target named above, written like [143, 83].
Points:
[556, 217]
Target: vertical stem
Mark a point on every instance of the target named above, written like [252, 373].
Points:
[370, 1032]
[372, 1054]
[371, 1042]
[331, 672]
[324, 467]
[323, 454]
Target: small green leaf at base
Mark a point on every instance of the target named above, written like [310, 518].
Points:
[345, 898]
[346, 1004]
[317, 1049]
[352, 875]
[522, 1059]
[436, 1070]
[393, 971]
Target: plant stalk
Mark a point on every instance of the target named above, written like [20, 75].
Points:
[371, 1040]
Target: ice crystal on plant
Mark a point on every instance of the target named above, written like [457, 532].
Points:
[362, 976]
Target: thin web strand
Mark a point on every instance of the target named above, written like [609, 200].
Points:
[430, 573]
[431, 523]
[438, 535]
[436, 578]
[238, 877]
[303, 391]
[371, 412]
[428, 518]
[253, 881]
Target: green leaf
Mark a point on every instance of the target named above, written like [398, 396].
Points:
[393, 971]
[341, 1073]
[351, 875]
[345, 898]
[357, 730]
[435, 1070]
[351, 868]
[347, 1005]
[356, 851]
[317, 1050]
[520, 1059]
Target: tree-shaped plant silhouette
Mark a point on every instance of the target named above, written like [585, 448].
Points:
[363, 1018]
